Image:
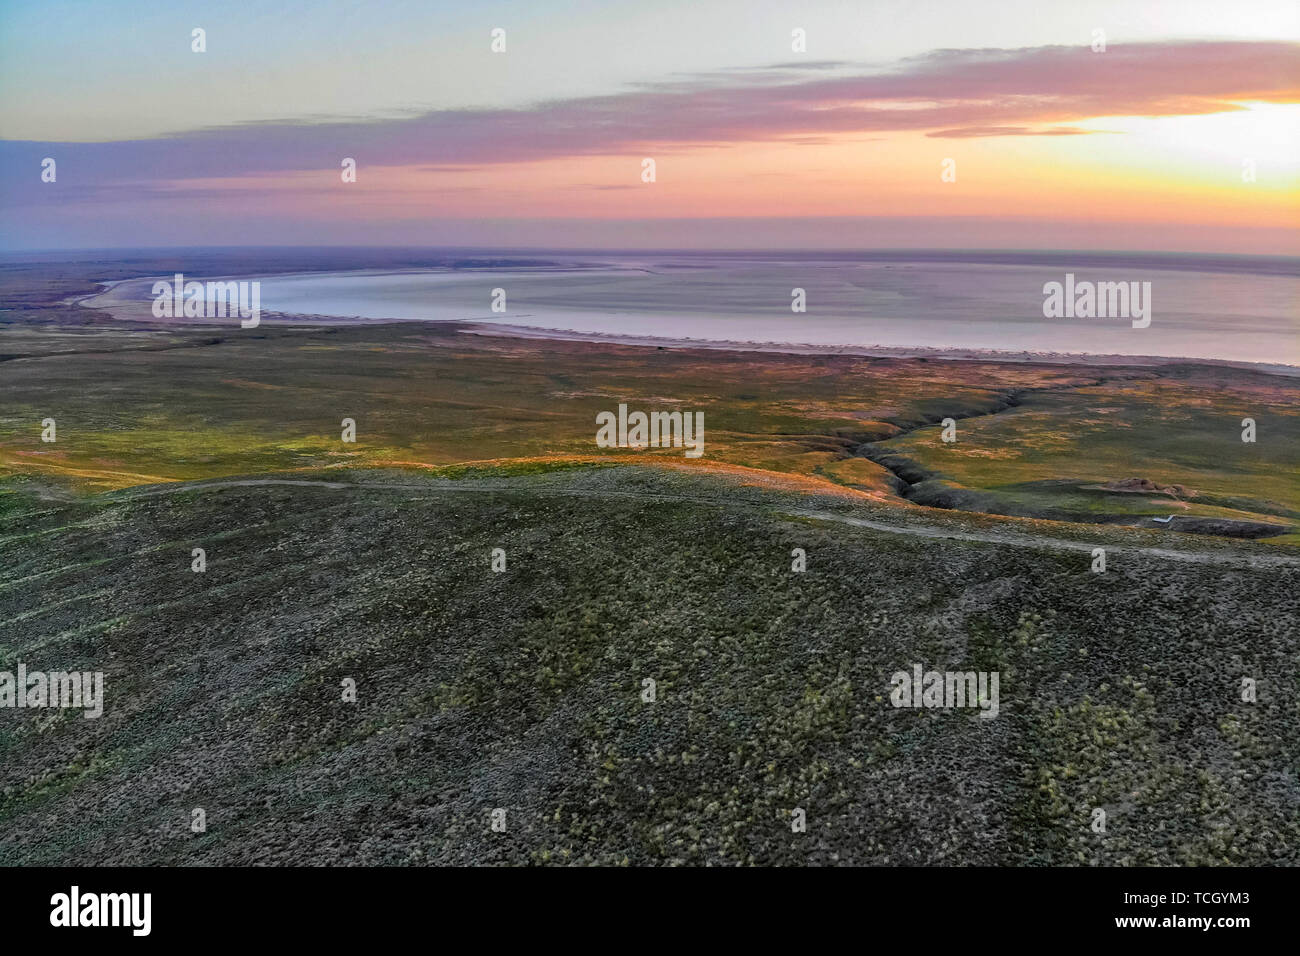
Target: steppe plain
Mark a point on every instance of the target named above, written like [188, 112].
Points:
[523, 690]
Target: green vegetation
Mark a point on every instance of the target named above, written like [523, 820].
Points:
[1055, 453]
[522, 689]
[180, 404]
[370, 562]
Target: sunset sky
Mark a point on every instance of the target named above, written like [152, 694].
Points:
[755, 144]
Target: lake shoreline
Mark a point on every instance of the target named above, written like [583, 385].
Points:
[128, 308]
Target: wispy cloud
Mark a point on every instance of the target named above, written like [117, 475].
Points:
[954, 92]
[971, 132]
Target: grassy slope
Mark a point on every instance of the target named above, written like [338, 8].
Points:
[1054, 449]
[195, 404]
[522, 690]
[271, 399]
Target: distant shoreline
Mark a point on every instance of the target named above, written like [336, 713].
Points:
[955, 354]
[124, 308]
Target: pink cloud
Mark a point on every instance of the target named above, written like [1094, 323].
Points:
[946, 93]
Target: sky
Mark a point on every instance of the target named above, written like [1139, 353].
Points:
[892, 124]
